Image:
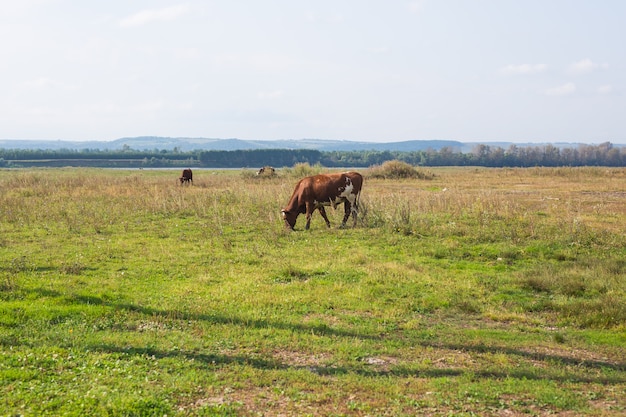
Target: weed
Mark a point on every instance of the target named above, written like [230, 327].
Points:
[20, 264]
[72, 268]
[8, 283]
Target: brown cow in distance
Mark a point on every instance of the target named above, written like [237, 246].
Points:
[317, 191]
[186, 176]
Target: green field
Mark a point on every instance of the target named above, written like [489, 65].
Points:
[474, 292]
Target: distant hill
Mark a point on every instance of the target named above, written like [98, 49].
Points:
[191, 144]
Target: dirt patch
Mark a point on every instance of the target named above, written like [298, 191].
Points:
[301, 359]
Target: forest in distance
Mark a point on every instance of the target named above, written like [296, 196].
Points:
[604, 154]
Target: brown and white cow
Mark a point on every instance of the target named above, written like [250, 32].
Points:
[317, 191]
[186, 176]
[266, 170]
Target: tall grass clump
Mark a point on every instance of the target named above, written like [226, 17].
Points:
[397, 170]
[583, 292]
[304, 169]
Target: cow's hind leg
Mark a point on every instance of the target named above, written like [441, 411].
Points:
[347, 208]
[323, 213]
[355, 210]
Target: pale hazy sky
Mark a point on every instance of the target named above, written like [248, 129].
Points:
[392, 70]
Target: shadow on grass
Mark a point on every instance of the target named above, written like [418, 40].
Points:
[542, 357]
[218, 360]
[17, 293]
[317, 329]
[554, 370]
[17, 266]
[207, 359]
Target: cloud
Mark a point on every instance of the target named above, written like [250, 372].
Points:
[605, 89]
[327, 18]
[562, 90]
[270, 95]
[148, 107]
[416, 6]
[524, 69]
[42, 83]
[151, 15]
[255, 62]
[585, 66]
[379, 50]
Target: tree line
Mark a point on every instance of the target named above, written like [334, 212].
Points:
[605, 154]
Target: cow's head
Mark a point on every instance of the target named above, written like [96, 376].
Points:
[289, 218]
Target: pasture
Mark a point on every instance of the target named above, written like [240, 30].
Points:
[475, 292]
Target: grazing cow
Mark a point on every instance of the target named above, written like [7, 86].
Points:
[317, 191]
[186, 176]
[267, 171]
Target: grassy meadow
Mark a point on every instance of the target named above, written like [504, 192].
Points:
[471, 291]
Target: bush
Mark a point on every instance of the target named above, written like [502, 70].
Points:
[397, 170]
[303, 169]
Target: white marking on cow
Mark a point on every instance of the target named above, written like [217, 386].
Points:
[346, 194]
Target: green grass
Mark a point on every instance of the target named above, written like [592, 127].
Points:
[125, 294]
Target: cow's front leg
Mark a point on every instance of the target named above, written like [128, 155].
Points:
[323, 213]
[310, 208]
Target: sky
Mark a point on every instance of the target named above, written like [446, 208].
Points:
[380, 71]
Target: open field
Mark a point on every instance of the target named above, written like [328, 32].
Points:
[478, 292]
